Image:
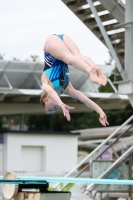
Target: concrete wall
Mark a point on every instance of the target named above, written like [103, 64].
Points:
[39, 152]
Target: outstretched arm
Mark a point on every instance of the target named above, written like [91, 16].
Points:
[54, 96]
[89, 103]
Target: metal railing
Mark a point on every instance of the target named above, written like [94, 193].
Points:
[112, 167]
[88, 157]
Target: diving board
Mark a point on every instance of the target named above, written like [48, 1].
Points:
[37, 180]
[14, 186]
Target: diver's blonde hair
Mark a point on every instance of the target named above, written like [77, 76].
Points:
[43, 95]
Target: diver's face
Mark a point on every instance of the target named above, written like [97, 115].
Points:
[50, 106]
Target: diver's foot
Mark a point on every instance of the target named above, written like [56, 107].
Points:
[101, 76]
[93, 75]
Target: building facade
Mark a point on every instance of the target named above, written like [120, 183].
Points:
[38, 152]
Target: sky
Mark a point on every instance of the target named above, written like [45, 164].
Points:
[26, 24]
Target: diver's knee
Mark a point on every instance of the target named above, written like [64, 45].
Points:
[69, 59]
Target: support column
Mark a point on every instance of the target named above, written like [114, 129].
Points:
[129, 40]
[129, 45]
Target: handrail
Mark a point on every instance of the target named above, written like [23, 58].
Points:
[97, 148]
[112, 167]
[110, 145]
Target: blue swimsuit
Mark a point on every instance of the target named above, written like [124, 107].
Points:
[57, 72]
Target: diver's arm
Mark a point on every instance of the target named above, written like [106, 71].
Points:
[72, 92]
[54, 96]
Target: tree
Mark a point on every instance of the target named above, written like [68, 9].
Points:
[1, 125]
[2, 56]
[111, 60]
[16, 59]
[34, 58]
[58, 122]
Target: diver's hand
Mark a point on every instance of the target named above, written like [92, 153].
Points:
[66, 109]
[103, 119]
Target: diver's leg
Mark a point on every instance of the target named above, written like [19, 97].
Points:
[94, 70]
[58, 49]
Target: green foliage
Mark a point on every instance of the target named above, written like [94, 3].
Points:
[50, 189]
[16, 119]
[34, 58]
[16, 59]
[2, 56]
[110, 59]
[117, 117]
[57, 122]
[69, 187]
[1, 124]
[108, 88]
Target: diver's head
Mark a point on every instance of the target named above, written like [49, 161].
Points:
[48, 104]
